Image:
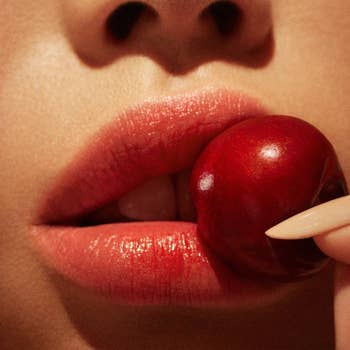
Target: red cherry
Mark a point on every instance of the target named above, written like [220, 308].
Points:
[254, 175]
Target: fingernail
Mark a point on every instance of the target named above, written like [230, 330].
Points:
[322, 218]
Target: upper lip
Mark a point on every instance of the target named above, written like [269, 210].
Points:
[155, 138]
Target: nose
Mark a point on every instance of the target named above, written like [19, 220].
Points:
[176, 32]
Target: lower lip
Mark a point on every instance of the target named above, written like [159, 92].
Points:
[157, 263]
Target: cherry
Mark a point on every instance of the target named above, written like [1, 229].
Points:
[254, 175]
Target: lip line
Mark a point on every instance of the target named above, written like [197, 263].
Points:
[199, 116]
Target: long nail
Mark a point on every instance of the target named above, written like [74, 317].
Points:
[322, 218]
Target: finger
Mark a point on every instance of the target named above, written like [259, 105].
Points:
[329, 225]
[327, 217]
[336, 244]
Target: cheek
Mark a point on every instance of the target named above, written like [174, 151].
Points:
[47, 114]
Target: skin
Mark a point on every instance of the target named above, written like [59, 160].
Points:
[61, 81]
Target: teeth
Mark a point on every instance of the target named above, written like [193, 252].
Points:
[164, 198]
[153, 200]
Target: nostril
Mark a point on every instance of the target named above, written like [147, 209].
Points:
[226, 16]
[122, 20]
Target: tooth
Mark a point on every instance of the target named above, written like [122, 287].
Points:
[153, 200]
[185, 204]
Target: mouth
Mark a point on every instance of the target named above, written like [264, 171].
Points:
[119, 219]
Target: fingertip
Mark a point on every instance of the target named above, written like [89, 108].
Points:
[335, 244]
[326, 217]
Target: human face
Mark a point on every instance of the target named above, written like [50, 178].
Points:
[63, 81]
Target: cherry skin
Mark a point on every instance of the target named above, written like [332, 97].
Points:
[254, 175]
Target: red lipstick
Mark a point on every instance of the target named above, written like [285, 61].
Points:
[143, 262]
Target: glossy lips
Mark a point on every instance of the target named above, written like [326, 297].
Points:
[145, 262]
[254, 175]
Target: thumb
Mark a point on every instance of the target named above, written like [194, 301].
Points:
[329, 225]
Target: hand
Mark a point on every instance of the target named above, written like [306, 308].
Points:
[329, 225]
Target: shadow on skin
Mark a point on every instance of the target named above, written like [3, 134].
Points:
[297, 319]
